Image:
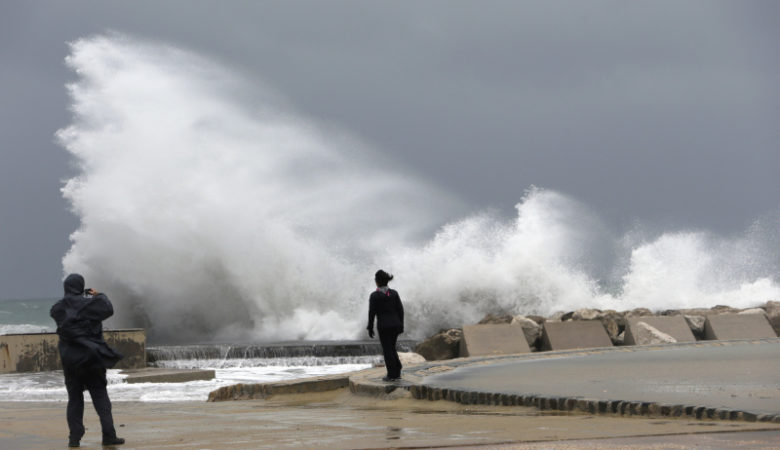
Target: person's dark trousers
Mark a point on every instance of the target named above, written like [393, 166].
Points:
[388, 337]
[93, 380]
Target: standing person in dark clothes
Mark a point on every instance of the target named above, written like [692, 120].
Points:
[385, 305]
[85, 356]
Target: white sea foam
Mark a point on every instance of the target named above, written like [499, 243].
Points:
[49, 386]
[24, 328]
[210, 210]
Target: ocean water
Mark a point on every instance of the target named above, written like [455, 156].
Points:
[26, 316]
[32, 316]
[211, 210]
[50, 386]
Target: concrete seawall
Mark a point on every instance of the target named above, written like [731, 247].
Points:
[37, 352]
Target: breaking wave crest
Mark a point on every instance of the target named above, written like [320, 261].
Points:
[211, 211]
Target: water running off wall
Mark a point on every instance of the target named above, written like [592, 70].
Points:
[211, 211]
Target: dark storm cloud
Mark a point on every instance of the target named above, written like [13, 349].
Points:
[662, 112]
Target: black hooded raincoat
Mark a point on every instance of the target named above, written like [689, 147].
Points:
[79, 318]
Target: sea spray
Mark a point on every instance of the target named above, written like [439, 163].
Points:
[207, 217]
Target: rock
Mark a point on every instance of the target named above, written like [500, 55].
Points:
[723, 309]
[671, 312]
[442, 345]
[556, 317]
[753, 311]
[620, 338]
[772, 309]
[538, 319]
[531, 329]
[410, 358]
[612, 326]
[612, 314]
[614, 323]
[696, 312]
[496, 318]
[644, 334]
[586, 314]
[696, 324]
[638, 312]
[567, 316]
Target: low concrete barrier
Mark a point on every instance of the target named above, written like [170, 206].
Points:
[255, 391]
[574, 334]
[156, 375]
[737, 326]
[37, 352]
[674, 326]
[493, 339]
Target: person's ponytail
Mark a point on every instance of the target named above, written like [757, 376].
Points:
[382, 278]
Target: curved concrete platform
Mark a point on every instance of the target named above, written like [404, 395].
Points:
[725, 380]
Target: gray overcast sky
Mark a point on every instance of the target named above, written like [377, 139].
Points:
[666, 113]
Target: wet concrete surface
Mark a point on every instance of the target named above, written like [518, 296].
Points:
[736, 375]
[741, 375]
[712, 441]
[334, 419]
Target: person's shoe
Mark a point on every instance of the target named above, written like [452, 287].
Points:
[113, 441]
[73, 442]
[387, 379]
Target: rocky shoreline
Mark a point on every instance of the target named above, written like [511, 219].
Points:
[446, 343]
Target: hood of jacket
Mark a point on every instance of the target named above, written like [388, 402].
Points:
[73, 284]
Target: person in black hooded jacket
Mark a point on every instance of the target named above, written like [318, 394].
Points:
[385, 304]
[85, 355]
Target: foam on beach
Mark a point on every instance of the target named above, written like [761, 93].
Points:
[210, 210]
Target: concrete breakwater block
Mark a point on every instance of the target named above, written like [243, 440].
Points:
[673, 326]
[737, 326]
[155, 375]
[574, 334]
[493, 339]
[37, 352]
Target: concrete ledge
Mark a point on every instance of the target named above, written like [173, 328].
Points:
[674, 326]
[493, 339]
[368, 382]
[587, 405]
[154, 375]
[264, 390]
[37, 352]
[737, 326]
[574, 334]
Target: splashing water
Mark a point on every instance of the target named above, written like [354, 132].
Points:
[210, 211]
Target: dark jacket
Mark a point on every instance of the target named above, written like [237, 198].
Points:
[387, 308]
[79, 318]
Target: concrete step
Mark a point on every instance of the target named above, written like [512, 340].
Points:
[158, 375]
